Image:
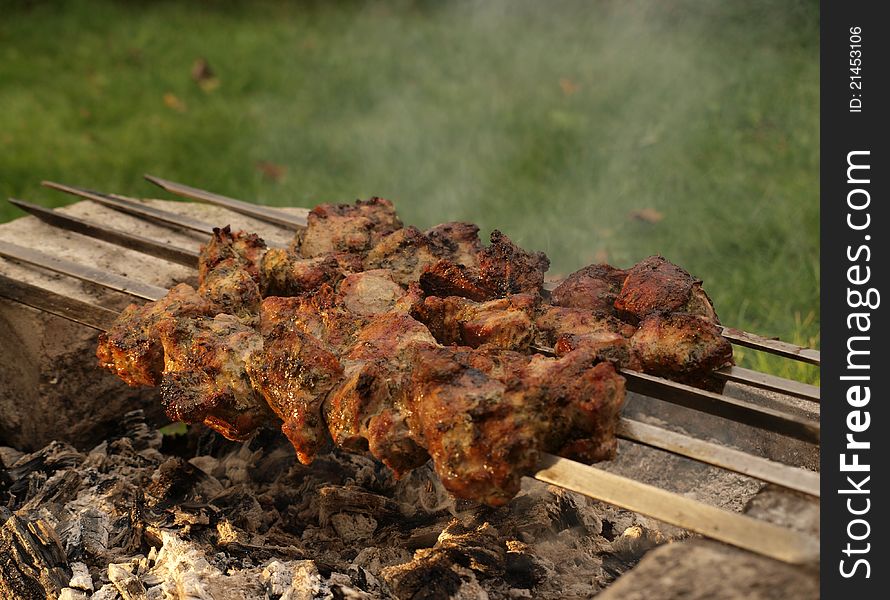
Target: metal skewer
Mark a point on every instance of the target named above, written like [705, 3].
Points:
[132, 207]
[254, 210]
[181, 256]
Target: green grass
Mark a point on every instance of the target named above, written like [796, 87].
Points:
[551, 121]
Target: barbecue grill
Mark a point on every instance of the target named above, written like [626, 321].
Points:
[776, 413]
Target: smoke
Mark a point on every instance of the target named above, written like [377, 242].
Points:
[556, 122]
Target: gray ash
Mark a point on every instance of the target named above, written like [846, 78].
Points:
[143, 515]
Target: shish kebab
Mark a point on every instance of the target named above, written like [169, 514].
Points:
[454, 317]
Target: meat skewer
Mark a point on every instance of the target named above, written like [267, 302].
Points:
[786, 424]
[750, 340]
[739, 530]
[730, 373]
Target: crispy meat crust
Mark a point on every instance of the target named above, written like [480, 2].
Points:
[503, 323]
[657, 285]
[294, 372]
[132, 350]
[347, 227]
[485, 431]
[595, 287]
[682, 346]
[205, 380]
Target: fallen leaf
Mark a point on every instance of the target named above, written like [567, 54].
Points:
[174, 103]
[647, 215]
[568, 86]
[271, 171]
[204, 75]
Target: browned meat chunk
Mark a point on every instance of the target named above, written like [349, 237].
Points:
[406, 252]
[594, 287]
[367, 412]
[503, 323]
[501, 269]
[229, 271]
[553, 322]
[509, 269]
[370, 292]
[458, 242]
[446, 278]
[484, 434]
[347, 227]
[231, 287]
[131, 348]
[244, 249]
[205, 380]
[681, 346]
[606, 345]
[286, 274]
[294, 373]
[656, 285]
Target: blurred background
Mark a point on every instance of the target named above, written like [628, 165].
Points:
[594, 131]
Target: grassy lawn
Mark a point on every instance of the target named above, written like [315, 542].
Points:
[556, 122]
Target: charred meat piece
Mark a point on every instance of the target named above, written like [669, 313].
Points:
[605, 345]
[231, 286]
[347, 227]
[370, 292]
[456, 241]
[484, 433]
[205, 379]
[240, 248]
[446, 278]
[501, 269]
[509, 269]
[132, 350]
[367, 412]
[553, 322]
[406, 252]
[503, 323]
[681, 346]
[581, 401]
[656, 285]
[286, 274]
[595, 287]
[293, 372]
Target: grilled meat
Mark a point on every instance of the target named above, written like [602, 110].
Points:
[595, 287]
[294, 372]
[446, 278]
[657, 285]
[232, 287]
[456, 241]
[485, 433]
[371, 293]
[245, 249]
[681, 346]
[413, 345]
[205, 379]
[406, 252]
[347, 227]
[287, 274]
[230, 272]
[368, 411]
[504, 323]
[132, 349]
[509, 269]
[501, 269]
